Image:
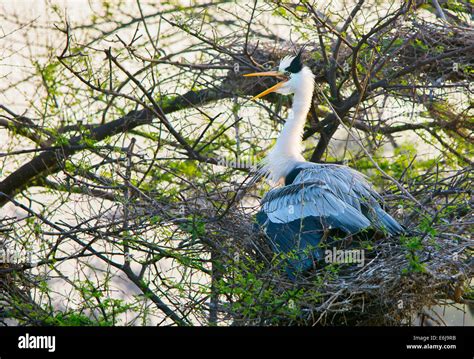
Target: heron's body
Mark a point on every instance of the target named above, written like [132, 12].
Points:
[320, 201]
[315, 201]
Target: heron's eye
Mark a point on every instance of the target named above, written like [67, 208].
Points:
[287, 73]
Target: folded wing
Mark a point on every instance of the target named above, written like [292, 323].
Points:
[320, 198]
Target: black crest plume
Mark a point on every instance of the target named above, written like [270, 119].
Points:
[296, 64]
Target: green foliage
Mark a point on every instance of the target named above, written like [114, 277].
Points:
[418, 44]
[469, 292]
[188, 168]
[426, 226]
[414, 265]
[413, 244]
[87, 141]
[50, 76]
[71, 319]
[99, 302]
[62, 140]
[195, 226]
[257, 299]
[403, 164]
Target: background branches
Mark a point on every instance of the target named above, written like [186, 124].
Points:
[128, 144]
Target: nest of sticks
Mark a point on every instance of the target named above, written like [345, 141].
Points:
[394, 286]
[401, 278]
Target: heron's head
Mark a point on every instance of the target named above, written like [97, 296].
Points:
[291, 73]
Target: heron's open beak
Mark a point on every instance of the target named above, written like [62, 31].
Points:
[271, 89]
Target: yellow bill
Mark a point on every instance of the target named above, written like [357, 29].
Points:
[267, 73]
[271, 89]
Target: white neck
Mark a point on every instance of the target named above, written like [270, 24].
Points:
[288, 149]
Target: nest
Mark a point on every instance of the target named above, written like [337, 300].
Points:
[401, 279]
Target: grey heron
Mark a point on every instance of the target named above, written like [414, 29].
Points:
[313, 200]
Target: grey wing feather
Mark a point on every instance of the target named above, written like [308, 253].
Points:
[349, 184]
[331, 191]
[296, 201]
